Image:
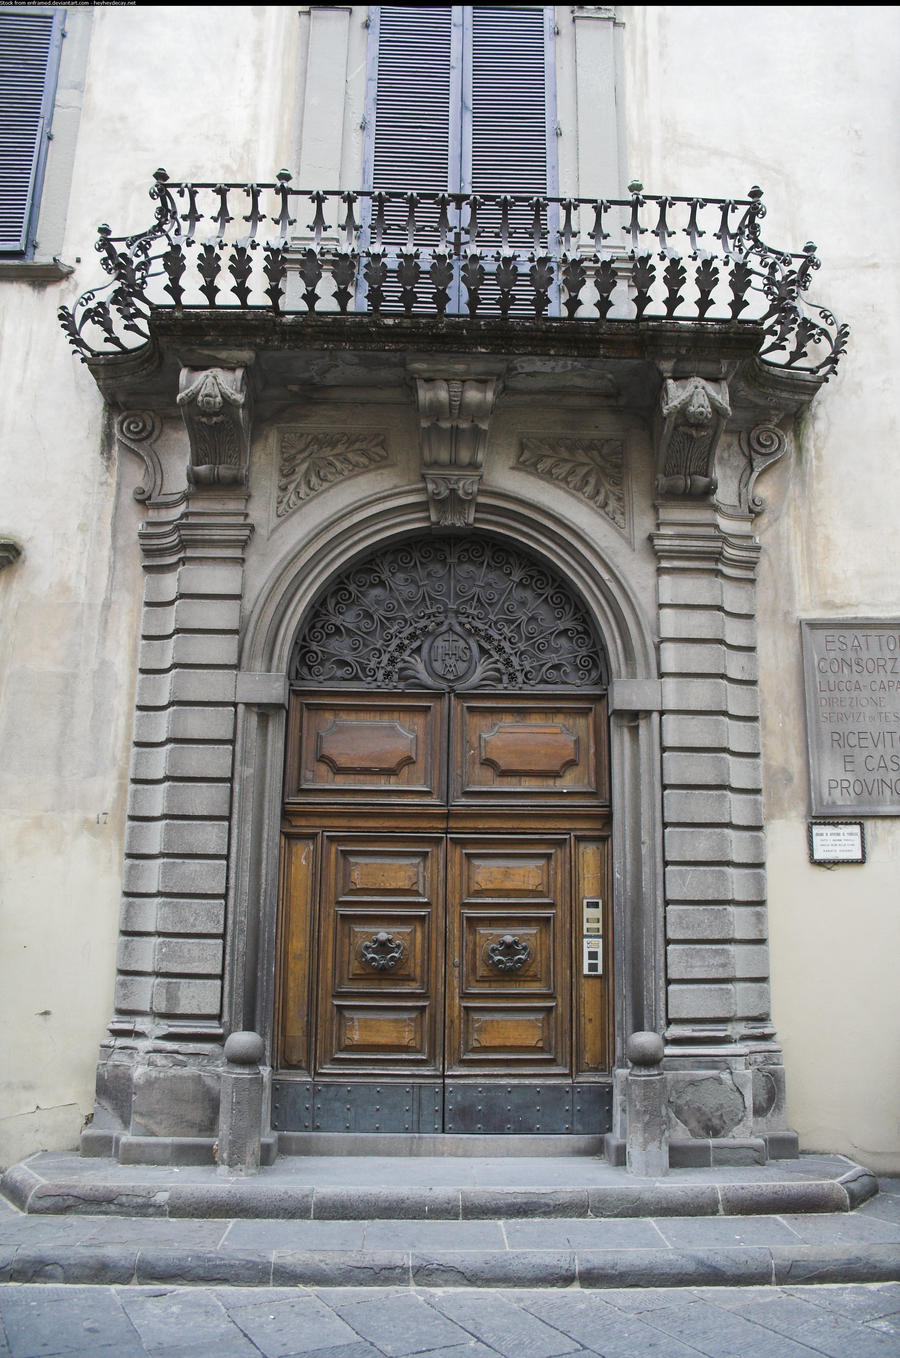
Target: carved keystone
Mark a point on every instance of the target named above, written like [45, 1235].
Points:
[215, 406]
[454, 416]
[693, 412]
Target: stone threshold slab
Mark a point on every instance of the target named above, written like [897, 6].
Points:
[714, 1266]
[351, 1188]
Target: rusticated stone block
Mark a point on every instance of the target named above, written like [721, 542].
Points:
[747, 810]
[160, 587]
[148, 763]
[145, 799]
[141, 876]
[752, 1000]
[192, 876]
[743, 736]
[138, 915]
[702, 1001]
[152, 727]
[191, 916]
[137, 954]
[155, 655]
[692, 657]
[201, 723]
[194, 837]
[742, 700]
[698, 883]
[188, 957]
[134, 994]
[153, 690]
[173, 1102]
[211, 578]
[208, 615]
[713, 922]
[689, 589]
[700, 962]
[750, 922]
[691, 624]
[199, 761]
[197, 799]
[695, 695]
[143, 836]
[205, 648]
[706, 807]
[751, 961]
[202, 685]
[696, 769]
[182, 999]
[690, 732]
[742, 665]
[158, 620]
[699, 845]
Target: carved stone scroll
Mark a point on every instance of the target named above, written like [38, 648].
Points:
[215, 406]
[592, 468]
[763, 445]
[311, 460]
[693, 411]
[454, 416]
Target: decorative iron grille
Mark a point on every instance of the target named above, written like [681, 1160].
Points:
[449, 613]
[569, 261]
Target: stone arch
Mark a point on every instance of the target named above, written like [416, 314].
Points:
[298, 579]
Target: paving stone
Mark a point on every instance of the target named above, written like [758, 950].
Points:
[860, 1302]
[654, 1200]
[178, 1316]
[846, 1228]
[583, 1234]
[401, 1325]
[303, 1324]
[599, 1328]
[295, 1235]
[499, 1323]
[715, 1331]
[437, 1235]
[727, 1231]
[73, 1320]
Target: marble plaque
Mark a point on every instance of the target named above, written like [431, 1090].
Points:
[851, 673]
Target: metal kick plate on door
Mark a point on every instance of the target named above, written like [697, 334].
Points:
[345, 1106]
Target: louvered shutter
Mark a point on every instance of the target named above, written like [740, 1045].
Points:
[509, 100]
[28, 61]
[413, 106]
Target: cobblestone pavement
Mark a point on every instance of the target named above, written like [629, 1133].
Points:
[858, 1321]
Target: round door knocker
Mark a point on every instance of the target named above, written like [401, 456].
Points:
[382, 951]
[508, 953]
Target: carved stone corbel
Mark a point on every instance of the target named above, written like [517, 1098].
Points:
[215, 406]
[693, 412]
[454, 417]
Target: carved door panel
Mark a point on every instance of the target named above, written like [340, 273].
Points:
[507, 949]
[380, 954]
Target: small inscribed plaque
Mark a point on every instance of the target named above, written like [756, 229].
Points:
[851, 674]
[837, 841]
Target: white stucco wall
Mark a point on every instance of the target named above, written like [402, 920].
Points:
[804, 101]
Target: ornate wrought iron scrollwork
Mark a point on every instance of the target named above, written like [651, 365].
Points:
[449, 613]
[382, 951]
[508, 953]
[664, 256]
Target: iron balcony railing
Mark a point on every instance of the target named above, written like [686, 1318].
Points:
[505, 257]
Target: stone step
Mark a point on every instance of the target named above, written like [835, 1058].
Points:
[437, 1188]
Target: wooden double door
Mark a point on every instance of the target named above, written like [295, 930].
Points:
[445, 930]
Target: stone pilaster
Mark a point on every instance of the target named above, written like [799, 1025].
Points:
[719, 1027]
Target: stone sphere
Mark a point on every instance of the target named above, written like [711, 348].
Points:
[644, 1049]
[244, 1049]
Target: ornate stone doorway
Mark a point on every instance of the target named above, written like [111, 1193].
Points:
[445, 924]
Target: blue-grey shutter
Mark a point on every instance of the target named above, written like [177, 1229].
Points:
[29, 56]
[414, 132]
[509, 89]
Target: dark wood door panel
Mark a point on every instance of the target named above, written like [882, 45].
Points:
[381, 932]
[358, 748]
[526, 749]
[508, 1001]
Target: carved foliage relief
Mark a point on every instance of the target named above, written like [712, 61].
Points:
[311, 460]
[449, 613]
[591, 468]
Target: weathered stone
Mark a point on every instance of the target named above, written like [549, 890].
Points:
[710, 1106]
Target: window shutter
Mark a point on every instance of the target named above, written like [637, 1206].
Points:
[27, 79]
[509, 100]
[413, 137]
